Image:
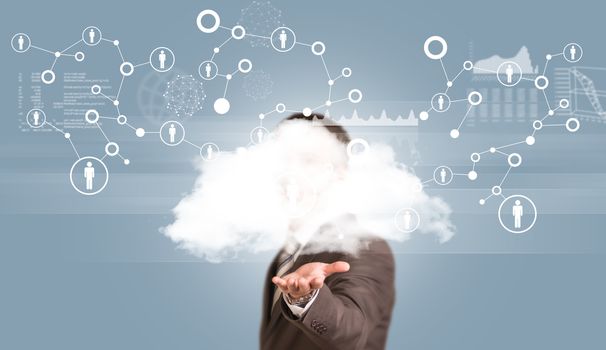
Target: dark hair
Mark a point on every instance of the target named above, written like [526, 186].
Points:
[318, 119]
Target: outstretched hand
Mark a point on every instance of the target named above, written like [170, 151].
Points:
[308, 277]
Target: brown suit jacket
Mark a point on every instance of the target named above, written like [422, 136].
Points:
[351, 311]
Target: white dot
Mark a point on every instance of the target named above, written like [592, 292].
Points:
[551, 112]
[57, 54]
[331, 82]
[492, 149]
[140, 132]
[221, 105]
[449, 83]
[116, 102]
[482, 201]
[116, 42]
[423, 115]
[454, 133]
[67, 135]
[530, 140]
[548, 57]
[307, 111]
[261, 116]
[472, 175]
[328, 103]
[216, 50]
[228, 77]
[126, 162]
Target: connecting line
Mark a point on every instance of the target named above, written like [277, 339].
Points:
[444, 70]
[102, 132]
[464, 117]
[193, 144]
[427, 181]
[563, 124]
[54, 62]
[41, 49]
[504, 177]
[546, 99]
[130, 126]
[120, 52]
[511, 144]
[325, 67]
[226, 85]
[500, 152]
[72, 45]
[141, 64]
[302, 44]
[120, 88]
[68, 137]
[456, 76]
[545, 68]
[107, 97]
[485, 70]
[258, 36]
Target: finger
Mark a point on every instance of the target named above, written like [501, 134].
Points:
[280, 283]
[304, 284]
[291, 285]
[316, 283]
[337, 266]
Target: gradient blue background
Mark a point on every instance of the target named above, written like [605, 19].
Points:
[95, 272]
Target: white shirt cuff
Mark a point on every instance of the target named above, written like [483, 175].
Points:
[300, 311]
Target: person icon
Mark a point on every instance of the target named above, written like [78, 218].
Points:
[283, 38]
[91, 36]
[89, 175]
[36, 116]
[443, 175]
[517, 212]
[573, 52]
[292, 194]
[260, 135]
[21, 42]
[441, 102]
[172, 131]
[208, 69]
[210, 152]
[162, 59]
[407, 220]
[509, 74]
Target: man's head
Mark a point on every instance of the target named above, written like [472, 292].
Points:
[319, 120]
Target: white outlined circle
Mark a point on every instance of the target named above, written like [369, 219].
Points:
[572, 52]
[25, 44]
[94, 113]
[541, 82]
[440, 102]
[517, 198]
[258, 135]
[475, 157]
[351, 96]
[112, 152]
[159, 56]
[121, 119]
[209, 151]
[280, 108]
[45, 79]
[564, 103]
[33, 121]
[208, 70]
[284, 37]
[212, 28]
[468, 65]
[407, 220]
[442, 52]
[571, 128]
[95, 89]
[346, 72]
[91, 36]
[235, 35]
[352, 152]
[79, 56]
[174, 138]
[537, 125]
[316, 51]
[477, 100]
[127, 69]
[221, 105]
[247, 62]
[443, 175]
[496, 190]
[509, 69]
[514, 160]
[91, 160]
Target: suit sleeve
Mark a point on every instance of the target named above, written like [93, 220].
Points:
[350, 305]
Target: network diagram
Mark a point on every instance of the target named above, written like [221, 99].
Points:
[517, 213]
[185, 95]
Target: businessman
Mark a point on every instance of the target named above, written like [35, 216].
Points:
[318, 298]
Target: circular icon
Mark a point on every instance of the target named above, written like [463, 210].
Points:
[564, 103]
[126, 69]
[283, 39]
[259, 135]
[95, 89]
[541, 82]
[354, 96]
[443, 175]
[572, 124]
[216, 21]
[172, 133]
[572, 52]
[468, 65]
[318, 48]
[208, 70]
[209, 151]
[89, 175]
[162, 59]
[407, 220]
[298, 194]
[121, 119]
[442, 43]
[440, 102]
[221, 105]
[537, 125]
[238, 32]
[474, 98]
[357, 147]
[79, 56]
[91, 36]
[514, 160]
[517, 213]
[91, 116]
[424, 115]
[111, 149]
[496, 190]
[47, 76]
[509, 73]
[21, 42]
[346, 72]
[35, 118]
[245, 65]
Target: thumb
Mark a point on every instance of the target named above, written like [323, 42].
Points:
[337, 266]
